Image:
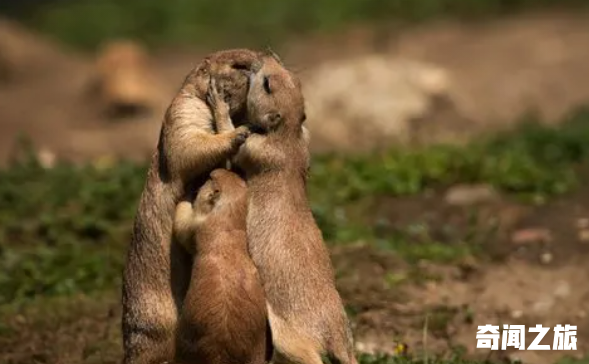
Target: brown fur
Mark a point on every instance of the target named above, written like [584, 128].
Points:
[305, 311]
[157, 271]
[224, 318]
[123, 82]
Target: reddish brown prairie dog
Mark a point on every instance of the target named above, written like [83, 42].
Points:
[157, 271]
[305, 311]
[224, 318]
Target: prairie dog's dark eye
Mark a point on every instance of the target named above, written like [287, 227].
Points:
[214, 196]
[304, 118]
[267, 84]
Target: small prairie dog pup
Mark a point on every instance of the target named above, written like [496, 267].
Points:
[305, 311]
[192, 143]
[224, 318]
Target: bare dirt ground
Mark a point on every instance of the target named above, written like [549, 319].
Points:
[503, 67]
[529, 281]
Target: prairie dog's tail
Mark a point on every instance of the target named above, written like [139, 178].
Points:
[290, 346]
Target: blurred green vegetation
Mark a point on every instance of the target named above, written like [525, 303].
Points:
[86, 23]
[64, 230]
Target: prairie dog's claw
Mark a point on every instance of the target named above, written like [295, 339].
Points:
[242, 133]
[213, 93]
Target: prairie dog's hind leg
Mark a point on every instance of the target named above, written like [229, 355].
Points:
[219, 108]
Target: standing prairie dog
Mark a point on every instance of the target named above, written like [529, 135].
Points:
[305, 311]
[157, 270]
[224, 317]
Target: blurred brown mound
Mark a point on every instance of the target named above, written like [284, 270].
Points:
[124, 80]
[24, 54]
[371, 101]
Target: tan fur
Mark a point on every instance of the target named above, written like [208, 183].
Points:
[157, 271]
[123, 80]
[306, 313]
[224, 318]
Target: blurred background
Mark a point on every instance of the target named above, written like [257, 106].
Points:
[450, 144]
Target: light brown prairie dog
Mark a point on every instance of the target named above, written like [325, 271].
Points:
[305, 311]
[224, 317]
[157, 270]
[123, 80]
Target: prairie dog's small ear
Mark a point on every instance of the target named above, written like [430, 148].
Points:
[206, 66]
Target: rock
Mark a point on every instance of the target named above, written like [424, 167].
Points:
[366, 347]
[583, 235]
[376, 347]
[546, 258]
[466, 195]
[370, 100]
[582, 223]
[46, 158]
[543, 305]
[531, 235]
[563, 289]
[123, 79]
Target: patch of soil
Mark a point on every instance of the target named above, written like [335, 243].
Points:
[67, 330]
[516, 286]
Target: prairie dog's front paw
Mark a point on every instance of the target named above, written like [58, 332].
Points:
[215, 98]
[241, 134]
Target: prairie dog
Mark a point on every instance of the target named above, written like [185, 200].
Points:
[224, 317]
[123, 80]
[157, 270]
[305, 311]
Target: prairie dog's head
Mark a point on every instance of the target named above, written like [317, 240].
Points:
[230, 68]
[275, 99]
[224, 195]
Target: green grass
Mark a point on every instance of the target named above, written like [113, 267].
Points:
[532, 163]
[371, 359]
[64, 230]
[86, 23]
[378, 359]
